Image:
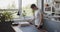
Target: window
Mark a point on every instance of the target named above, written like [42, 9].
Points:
[13, 6]
[26, 6]
[10, 6]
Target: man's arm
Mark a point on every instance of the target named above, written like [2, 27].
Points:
[41, 19]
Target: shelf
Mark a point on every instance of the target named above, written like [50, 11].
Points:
[52, 16]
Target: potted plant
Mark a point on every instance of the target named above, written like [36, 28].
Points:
[5, 17]
[24, 14]
[5, 22]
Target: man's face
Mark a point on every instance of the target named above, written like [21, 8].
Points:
[34, 8]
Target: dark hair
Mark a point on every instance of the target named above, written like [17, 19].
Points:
[33, 5]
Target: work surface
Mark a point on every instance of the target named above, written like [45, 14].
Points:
[30, 28]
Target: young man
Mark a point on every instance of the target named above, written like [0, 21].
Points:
[37, 15]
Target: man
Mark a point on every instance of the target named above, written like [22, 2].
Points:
[37, 15]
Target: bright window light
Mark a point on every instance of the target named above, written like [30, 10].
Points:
[6, 4]
[26, 6]
[9, 6]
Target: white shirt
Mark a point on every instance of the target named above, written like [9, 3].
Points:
[37, 17]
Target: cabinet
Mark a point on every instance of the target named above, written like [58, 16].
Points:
[53, 10]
